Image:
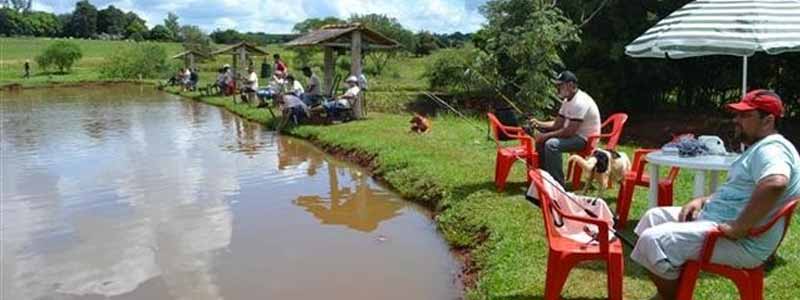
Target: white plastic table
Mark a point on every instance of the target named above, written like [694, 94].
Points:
[700, 164]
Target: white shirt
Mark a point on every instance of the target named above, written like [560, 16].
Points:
[581, 107]
[353, 91]
[297, 88]
[253, 79]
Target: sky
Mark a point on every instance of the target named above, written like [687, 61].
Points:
[278, 16]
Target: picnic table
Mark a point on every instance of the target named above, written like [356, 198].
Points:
[701, 165]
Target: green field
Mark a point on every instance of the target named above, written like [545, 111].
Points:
[451, 170]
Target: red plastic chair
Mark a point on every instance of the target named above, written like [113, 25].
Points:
[637, 177]
[565, 253]
[506, 156]
[616, 121]
[749, 282]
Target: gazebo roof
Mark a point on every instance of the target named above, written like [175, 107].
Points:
[184, 53]
[232, 49]
[338, 36]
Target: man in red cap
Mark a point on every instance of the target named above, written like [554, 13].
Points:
[761, 181]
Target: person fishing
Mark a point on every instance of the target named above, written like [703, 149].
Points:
[577, 119]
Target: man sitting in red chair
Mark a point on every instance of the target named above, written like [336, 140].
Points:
[578, 118]
[759, 183]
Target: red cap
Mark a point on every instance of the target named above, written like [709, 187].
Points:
[763, 100]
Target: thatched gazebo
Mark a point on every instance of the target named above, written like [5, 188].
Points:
[355, 37]
[241, 53]
[189, 57]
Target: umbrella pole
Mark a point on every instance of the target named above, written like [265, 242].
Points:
[744, 75]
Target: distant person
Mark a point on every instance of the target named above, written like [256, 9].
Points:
[265, 69]
[27, 69]
[220, 82]
[280, 66]
[578, 118]
[294, 87]
[346, 100]
[312, 95]
[194, 77]
[251, 85]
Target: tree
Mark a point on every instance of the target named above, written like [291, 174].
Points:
[425, 43]
[310, 24]
[145, 60]
[11, 22]
[18, 5]
[83, 23]
[229, 36]
[61, 54]
[134, 25]
[523, 40]
[160, 33]
[42, 24]
[171, 22]
[392, 29]
[111, 20]
[195, 39]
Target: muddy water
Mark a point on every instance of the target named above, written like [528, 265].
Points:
[122, 192]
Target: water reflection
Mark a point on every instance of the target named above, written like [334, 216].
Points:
[356, 206]
[125, 193]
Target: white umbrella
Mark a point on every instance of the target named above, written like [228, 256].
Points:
[723, 27]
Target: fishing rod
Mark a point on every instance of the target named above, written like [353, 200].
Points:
[445, 104]
[589, 212]
[469, 71]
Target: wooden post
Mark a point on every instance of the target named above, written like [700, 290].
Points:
[191, 60]
[235, 80]
[329, 70]
[355, 69]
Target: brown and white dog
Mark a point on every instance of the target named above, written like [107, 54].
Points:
[604, 165]
[420, 124]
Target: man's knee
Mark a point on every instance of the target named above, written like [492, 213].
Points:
[552, 145]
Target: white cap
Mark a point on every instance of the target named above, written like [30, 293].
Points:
[226, 66]
[351, 79]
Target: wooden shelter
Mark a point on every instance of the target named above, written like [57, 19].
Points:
[189, 57]
[241, 55]
[354, 36]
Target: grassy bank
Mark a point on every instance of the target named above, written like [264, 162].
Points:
[452, 170]
[501, 234]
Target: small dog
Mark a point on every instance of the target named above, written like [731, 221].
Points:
[420, 124]
[605, 165]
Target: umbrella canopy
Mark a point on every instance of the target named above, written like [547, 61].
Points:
[723, 27]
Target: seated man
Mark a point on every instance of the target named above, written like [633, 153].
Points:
[250, 85]
[759, 183]
[292, 108]
[312, 96]
[578, 118]
[294, 87]
[346, 100]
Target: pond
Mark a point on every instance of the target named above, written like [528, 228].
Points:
[124, 192]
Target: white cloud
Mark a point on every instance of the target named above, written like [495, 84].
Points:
[276, 16]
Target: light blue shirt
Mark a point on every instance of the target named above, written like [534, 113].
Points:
[772, 155]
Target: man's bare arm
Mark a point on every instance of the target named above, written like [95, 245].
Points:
[762, 201]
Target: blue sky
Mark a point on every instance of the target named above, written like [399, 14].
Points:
[278, 16]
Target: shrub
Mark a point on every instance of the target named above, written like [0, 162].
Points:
[448, 72]
[61, 54]
[145, 60]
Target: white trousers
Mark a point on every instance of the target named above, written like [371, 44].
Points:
[665, 244]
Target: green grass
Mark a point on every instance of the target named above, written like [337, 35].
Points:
[14, 52]
[451, 169]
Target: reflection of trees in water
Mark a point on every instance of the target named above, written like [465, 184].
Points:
[356, 206]
[248, 135]
[152, 223]
[292, 152]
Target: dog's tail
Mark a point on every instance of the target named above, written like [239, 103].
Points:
[585, 164]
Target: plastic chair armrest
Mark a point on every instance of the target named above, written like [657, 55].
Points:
[708, 246]
[785, 212]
